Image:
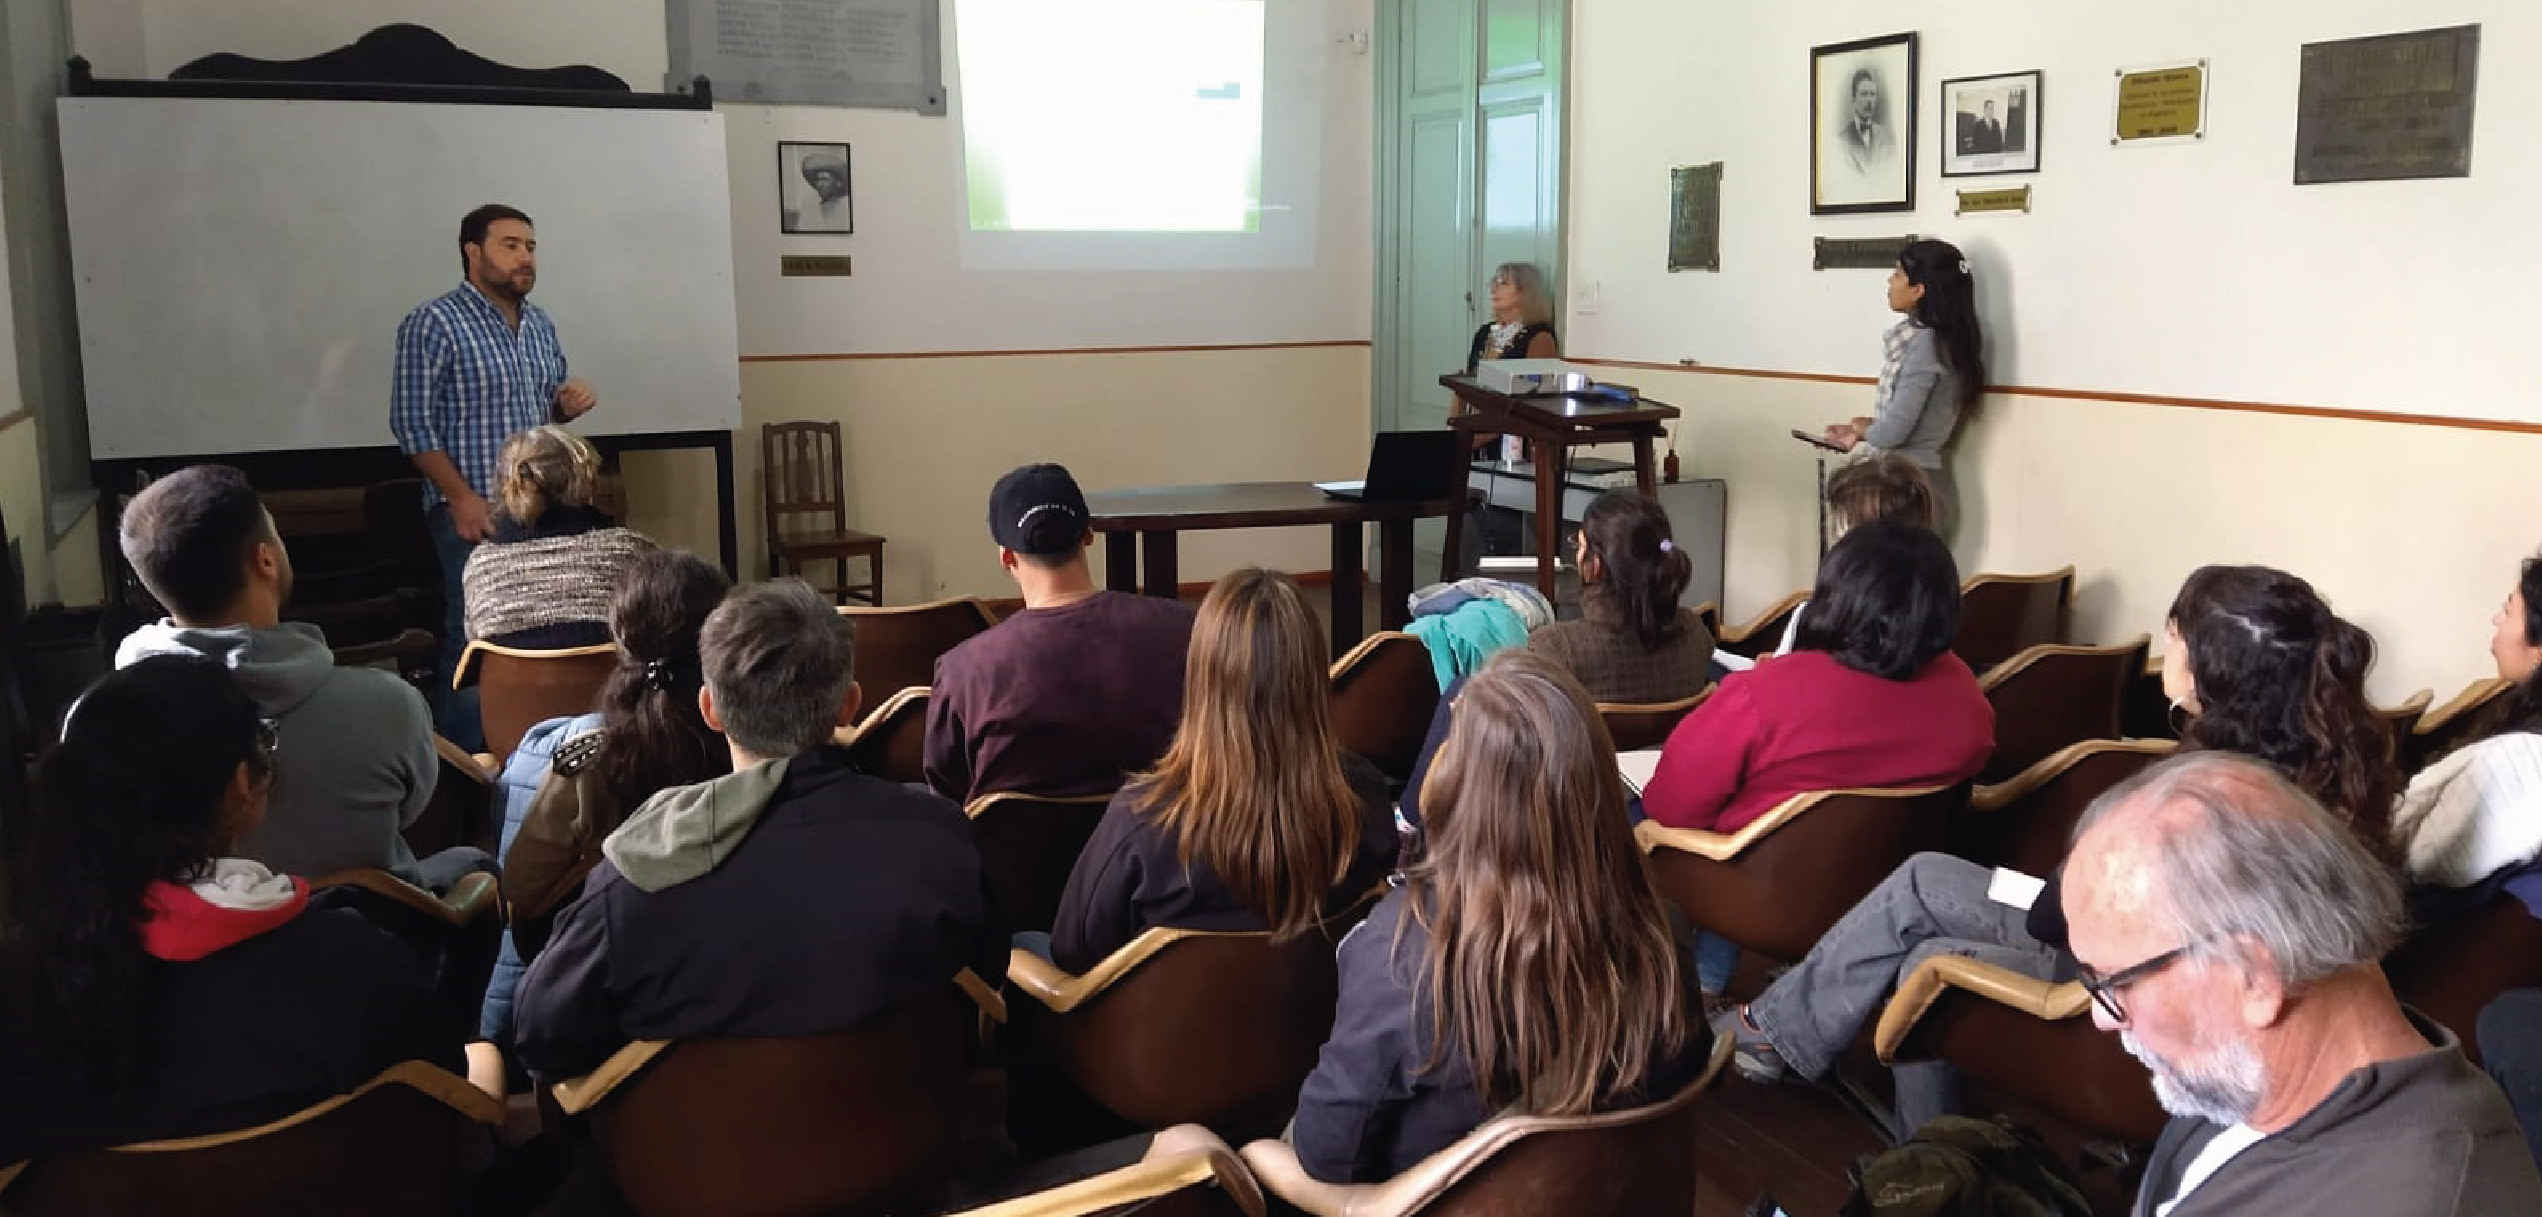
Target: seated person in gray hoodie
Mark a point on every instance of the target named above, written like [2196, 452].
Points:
[794, 897]
[354, 761]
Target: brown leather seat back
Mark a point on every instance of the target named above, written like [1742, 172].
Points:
[2001, 615]
[1028, 845]
[1384, 694]
[1634, 726]
[897, 648]
[2048, 697]
[1781, 893]
[2450, 970]
[517, 693]
[336, 1161]
[1617, 1171]
[2067, 1069]
[837, 1123]
[2031, 834]
[892, 745]
[1215, 1029]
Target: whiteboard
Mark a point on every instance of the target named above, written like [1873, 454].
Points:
[242, 265]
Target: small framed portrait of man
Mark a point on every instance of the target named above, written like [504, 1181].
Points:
[1862, 126]
[1990, 124]
[812, 189]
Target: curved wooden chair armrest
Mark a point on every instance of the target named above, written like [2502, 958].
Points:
[975, 807]
[879, 715]
[987, 616]
[1370, 643]
[1047, 983]
[1990, 799]
[1121, 1190]
[486, 761]
[2062, 574]
[1723, 847]
[468, 899]
[1275, 1163]
[2041, 999]
[2474, 695]
[1682, 704]
[2412, 707]
[466, 673]
[1997, 675]
[991, 1003]
[1747, 629]
[9, 1174]
[574, 1096]
[431, 1080]
[467, 762]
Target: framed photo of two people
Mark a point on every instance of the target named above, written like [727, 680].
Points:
[1862, 126]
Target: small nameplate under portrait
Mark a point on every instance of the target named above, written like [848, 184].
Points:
[832, 266]
[2014, 198]
[1857, 253]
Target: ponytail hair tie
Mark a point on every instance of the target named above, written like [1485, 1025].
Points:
[1666, 545]
[659, 676]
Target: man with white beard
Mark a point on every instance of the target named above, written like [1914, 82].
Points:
[2231, 932]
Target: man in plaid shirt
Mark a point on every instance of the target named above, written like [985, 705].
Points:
[474, 367]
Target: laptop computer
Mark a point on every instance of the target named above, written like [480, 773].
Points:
[1405, 467]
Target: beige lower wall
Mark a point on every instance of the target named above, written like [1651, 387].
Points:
[926, 437]
[2412, 531]
[22, 504]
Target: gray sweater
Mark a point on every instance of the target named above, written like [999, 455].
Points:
[1918, 402]
[354, 764]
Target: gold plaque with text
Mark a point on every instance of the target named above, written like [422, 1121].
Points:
[2161, 103]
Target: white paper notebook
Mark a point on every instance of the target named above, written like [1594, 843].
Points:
[1637, 767]
[2011, 887]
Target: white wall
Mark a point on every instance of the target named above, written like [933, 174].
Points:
[2187, 269]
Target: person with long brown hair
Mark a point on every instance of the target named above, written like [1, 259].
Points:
[1255, 818]
[1633, 641]
[1526, 966]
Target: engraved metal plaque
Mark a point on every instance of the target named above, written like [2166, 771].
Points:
[2168, 102]
[2395, 106]
[1694, 217]
[2011, 198]
[1857, 253]
[796, 266]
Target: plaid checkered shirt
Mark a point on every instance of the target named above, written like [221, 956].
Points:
[466, 382]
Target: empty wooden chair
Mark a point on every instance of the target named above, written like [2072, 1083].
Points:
[2403, 718]
[847, 1122]
[1384, 693]
[2026, 823]
[897, 648]
[1777, 883]
[1612, 1164]
[1028, 844]
[1761, 634]
[2050, 696]
[2448, 971]
[1206, 1184]
[517, 689]
[2002, 615]
[2028, 1038]
[803, 474]
[329, 1156]
[1646, 724]
[1184, 1026]
[891, 741]
[2461, 719]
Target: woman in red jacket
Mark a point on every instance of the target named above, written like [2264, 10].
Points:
[1870, 695]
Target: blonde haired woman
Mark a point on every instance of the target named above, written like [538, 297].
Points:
[1526, 966]
[1255, 819]
[546, 576]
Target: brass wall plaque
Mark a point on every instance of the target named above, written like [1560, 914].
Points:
[2013, 198]
[2395, 106]
[1857, 253]
[795, 266]
[2168, 102]
[1694, 217]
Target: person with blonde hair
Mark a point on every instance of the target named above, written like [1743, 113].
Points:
[546, 576]
[1255, 819]
[1527, 966]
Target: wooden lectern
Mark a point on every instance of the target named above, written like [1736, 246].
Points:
[1552, 425]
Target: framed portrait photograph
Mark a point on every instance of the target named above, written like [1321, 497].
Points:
[813, 192]
[1990, 124]
[1862, 126]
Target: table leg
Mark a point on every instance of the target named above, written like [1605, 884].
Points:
[1394, 585]
[1550, 455]
[1452, 550]
[1645, 471]
[1158, 549]
[1347, 626]
[1121, 561]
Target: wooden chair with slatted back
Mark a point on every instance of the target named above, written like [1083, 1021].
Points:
[803, 475]
[1758, 636]
[333, 1157]
[897, 648]
[519, 688]
[1384, 694]
[2047, 697]
[891, 741]
[1028, 845]
[2461, 719]
[1635, 725]
[2002, 615]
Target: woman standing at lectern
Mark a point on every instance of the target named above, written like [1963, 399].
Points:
[1932, 367]
[1521, 328]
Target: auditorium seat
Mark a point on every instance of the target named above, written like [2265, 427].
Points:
[325, 1158]
[2148, 713]
[1611, 1164]
[2447, 727]
[2030, 1039]
[2403, 717]
[2002, 615]
[461, 810]
[456, 932]
[1708, 615]
[897, 648]
[1635, 725]
[1028, 844]
[410, 655]
[518, 688]
[1384, 693]
[1205, 1183]
[845, 1122]
[2449, 970]
[2049, 696]
[2026, 823]
[1762, 633]
[803, 476]
[1782, 879]
[891, 741]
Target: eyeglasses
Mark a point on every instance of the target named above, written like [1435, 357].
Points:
[268, 741]
[2104, 989]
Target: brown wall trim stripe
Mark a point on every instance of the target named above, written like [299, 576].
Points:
[2142, 399]
[14, 418]
[1148, 350]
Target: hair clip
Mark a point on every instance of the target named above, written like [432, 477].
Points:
[1963, 267]
[1665, 545]
[658, 675]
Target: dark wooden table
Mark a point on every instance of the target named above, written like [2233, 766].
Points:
[1149, 518]
[1552, 426]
